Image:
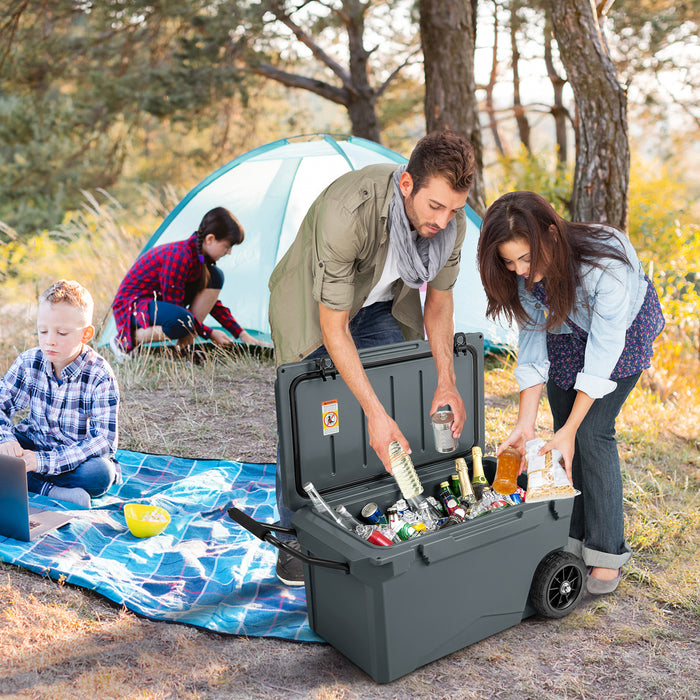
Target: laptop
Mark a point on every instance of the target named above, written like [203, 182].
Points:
[17, 519]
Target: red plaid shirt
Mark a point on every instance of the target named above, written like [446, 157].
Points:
[163, 273]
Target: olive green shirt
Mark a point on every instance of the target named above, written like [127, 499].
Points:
[338, 257]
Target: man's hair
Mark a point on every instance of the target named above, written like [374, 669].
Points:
[443, 154]
[70, 292]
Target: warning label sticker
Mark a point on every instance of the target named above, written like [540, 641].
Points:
[329, 412]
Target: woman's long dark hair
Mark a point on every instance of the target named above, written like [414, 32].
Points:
[223, 225]
[558, 248]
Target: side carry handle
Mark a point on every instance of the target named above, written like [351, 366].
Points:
[263, 531]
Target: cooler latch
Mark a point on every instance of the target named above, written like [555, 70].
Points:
[460, 344]
[326, 368]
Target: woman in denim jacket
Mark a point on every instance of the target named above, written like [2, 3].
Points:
[587, 316]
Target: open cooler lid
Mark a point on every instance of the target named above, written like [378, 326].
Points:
[323, 431]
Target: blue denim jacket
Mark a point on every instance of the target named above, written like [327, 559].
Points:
[615, 294]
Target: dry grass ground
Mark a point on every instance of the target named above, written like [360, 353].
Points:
[643, 642]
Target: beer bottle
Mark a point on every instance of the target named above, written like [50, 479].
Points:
[479, 482]
[468, 497]
[449, 501]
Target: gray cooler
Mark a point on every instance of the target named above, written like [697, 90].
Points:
[393, 609]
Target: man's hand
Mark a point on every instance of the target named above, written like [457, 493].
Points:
[439, 308]
[449, 396]
[11, 448]
[383, 431]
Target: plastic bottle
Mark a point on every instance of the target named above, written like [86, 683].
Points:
[404, 472]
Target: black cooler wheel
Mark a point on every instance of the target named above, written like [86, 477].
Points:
[557, 585]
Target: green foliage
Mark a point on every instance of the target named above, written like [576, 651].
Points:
[535, 173]
[77, 85]
[662, 228]
[95, 246]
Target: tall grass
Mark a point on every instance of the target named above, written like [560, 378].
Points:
[95, 246]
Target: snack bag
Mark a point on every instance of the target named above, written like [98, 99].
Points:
[546, 478]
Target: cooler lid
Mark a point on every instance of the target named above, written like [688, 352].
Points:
[323, 431]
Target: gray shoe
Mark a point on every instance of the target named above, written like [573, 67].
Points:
[76, 495]
[596, 586]
[290, 570]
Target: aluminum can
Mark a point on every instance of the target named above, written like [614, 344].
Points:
[442, 430]
[376, 537]
[372, 514]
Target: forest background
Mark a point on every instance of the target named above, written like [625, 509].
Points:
[111, 111]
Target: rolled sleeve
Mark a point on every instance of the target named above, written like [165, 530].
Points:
[595, 387]
[531, 374]
[337, 248]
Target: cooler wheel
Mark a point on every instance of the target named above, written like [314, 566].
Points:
[557, 585]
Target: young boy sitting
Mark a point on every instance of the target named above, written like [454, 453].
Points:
[69, 438]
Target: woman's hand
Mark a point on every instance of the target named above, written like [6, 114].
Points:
[220, 338]
[521, 434]
[564, 440]
[248, 339]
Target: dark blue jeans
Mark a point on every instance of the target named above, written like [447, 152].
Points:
[95, 475]
[371, 327]
[597, 530]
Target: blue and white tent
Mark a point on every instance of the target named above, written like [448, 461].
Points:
[270, 189]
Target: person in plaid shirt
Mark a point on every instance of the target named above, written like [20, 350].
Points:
[171, 288]
[69, 438]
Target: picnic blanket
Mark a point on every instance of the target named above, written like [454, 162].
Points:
[203, 570]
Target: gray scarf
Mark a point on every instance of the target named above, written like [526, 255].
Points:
[419, 260]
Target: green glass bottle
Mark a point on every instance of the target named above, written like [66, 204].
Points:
[479, 482]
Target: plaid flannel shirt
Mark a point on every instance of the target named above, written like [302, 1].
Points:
[163, 273]
[69, 421]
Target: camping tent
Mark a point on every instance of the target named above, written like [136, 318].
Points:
[269, 189]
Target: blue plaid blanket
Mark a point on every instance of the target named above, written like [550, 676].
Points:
[203, 570]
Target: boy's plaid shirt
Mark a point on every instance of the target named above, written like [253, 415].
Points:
[69, 421]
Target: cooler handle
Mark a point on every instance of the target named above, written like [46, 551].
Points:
[263, 531]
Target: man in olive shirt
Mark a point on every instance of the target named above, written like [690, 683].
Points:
[351, 280]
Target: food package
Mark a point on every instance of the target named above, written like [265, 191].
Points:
[546, 478]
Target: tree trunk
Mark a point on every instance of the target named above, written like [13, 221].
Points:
[493, 79]
[601, 177]
[518, 109]
[447, 36]
[559, 111]
[362, 105]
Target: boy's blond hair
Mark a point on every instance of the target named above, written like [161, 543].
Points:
[72, 293]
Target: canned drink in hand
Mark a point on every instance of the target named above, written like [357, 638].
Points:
[442, 430]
